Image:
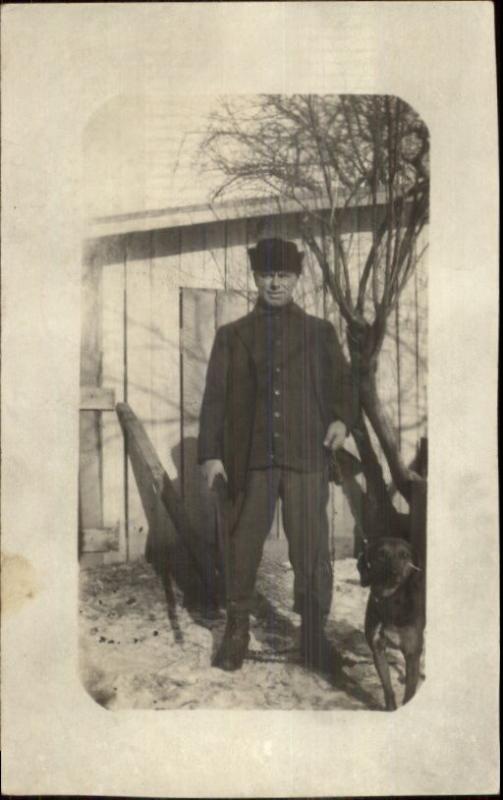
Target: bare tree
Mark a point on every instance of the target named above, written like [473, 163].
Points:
[327, 154]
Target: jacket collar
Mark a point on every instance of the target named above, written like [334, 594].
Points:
[245, 329]
[262, 309]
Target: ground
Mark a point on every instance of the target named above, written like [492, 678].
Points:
[134, 654]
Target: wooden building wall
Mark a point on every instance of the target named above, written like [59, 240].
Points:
[151, 303]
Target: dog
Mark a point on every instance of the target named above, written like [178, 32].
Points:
[395, 612]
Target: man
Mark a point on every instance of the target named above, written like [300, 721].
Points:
[277, 401]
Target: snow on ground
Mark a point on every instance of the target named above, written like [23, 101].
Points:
[133, 655]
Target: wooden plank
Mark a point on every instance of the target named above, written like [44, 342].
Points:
[230, 306]
[237, 271]
[216, 243]
[165, 366]
[410, 426]
[113, 345]
[387, 378]
[100, 540]
[96, 398]
[160, 500]
[165, 383]
[310, 287]
[197, 267]
[90, 354]
[166, 254]
[330, 308]
[139, 378]
[198, 331]
[407, 378]
[90, 490]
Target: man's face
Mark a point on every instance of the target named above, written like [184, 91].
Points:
[276, 288]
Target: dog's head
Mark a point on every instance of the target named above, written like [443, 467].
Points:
[385, 564]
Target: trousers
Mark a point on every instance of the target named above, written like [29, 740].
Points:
[304, 497]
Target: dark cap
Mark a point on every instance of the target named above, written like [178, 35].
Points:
[275, 255]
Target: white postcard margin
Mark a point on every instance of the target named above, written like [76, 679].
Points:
[60, 64]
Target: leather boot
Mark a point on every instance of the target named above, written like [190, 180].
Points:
[232, 651]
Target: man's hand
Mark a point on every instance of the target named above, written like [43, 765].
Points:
[336, 435]
[210, 469]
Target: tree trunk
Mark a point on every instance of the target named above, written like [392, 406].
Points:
[402, 475]
[378, 515]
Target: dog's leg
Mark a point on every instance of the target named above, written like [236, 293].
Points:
[376, 644]
[382, 667]
[411, 675]
[411, 645]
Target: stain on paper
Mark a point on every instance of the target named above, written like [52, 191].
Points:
[19, 582]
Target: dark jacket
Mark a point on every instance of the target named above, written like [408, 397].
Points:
[228, 407]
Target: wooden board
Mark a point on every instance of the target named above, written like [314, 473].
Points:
[166, 254]
[197, 266]
[237, 273]
[100, 540]
[96, 398]
[407, 351]
[139, 389]
[165, 407]
[165, 378]
[198, 332]
[311, 284]
[90, 354]
[168, 521]
[165, 367]
[90, 488]
[216, 244]
[230, 306]
[113, 449]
